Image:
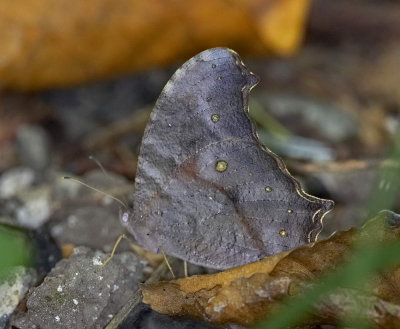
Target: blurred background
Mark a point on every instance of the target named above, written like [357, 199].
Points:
[79, 79]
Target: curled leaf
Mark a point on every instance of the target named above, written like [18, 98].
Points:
[247, 294]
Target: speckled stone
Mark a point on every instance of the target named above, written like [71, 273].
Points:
[81, 293]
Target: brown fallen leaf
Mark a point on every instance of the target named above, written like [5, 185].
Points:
[50, 44]
[153, 259]
[246, 294]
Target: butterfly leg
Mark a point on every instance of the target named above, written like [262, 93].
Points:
[122, 236]
[168, 264]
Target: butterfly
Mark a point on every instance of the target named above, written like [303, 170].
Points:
[206, 190]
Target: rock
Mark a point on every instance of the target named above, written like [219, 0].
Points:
[12, 289]
[63, 190]
[35, 208]
[90, 210]
[78, 228]
[80, 293]
[15, 180]
[22, 204]
[33, 145]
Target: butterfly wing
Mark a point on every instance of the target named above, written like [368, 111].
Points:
[206, 190]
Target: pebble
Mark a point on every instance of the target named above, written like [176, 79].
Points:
[63, 301]
[33, 147]
[35, 209]
[13, 289]
[15, 180]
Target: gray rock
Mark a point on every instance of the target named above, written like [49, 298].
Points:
[15, 180]
[90, 210]
[78, 227]
[12, 289]
[81, 293]
[34, 147]
[24, 204]
[35, 208]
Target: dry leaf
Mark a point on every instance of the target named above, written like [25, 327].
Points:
[57, 43]
[246, 294]
[153, 259]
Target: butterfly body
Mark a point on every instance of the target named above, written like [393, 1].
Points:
[206, 190]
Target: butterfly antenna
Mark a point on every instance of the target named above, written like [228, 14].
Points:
[168, 264]
[97, 190]
[91, 157]
[98, 163]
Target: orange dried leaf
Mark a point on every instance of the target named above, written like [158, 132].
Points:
[247, 294]
[50, 44]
